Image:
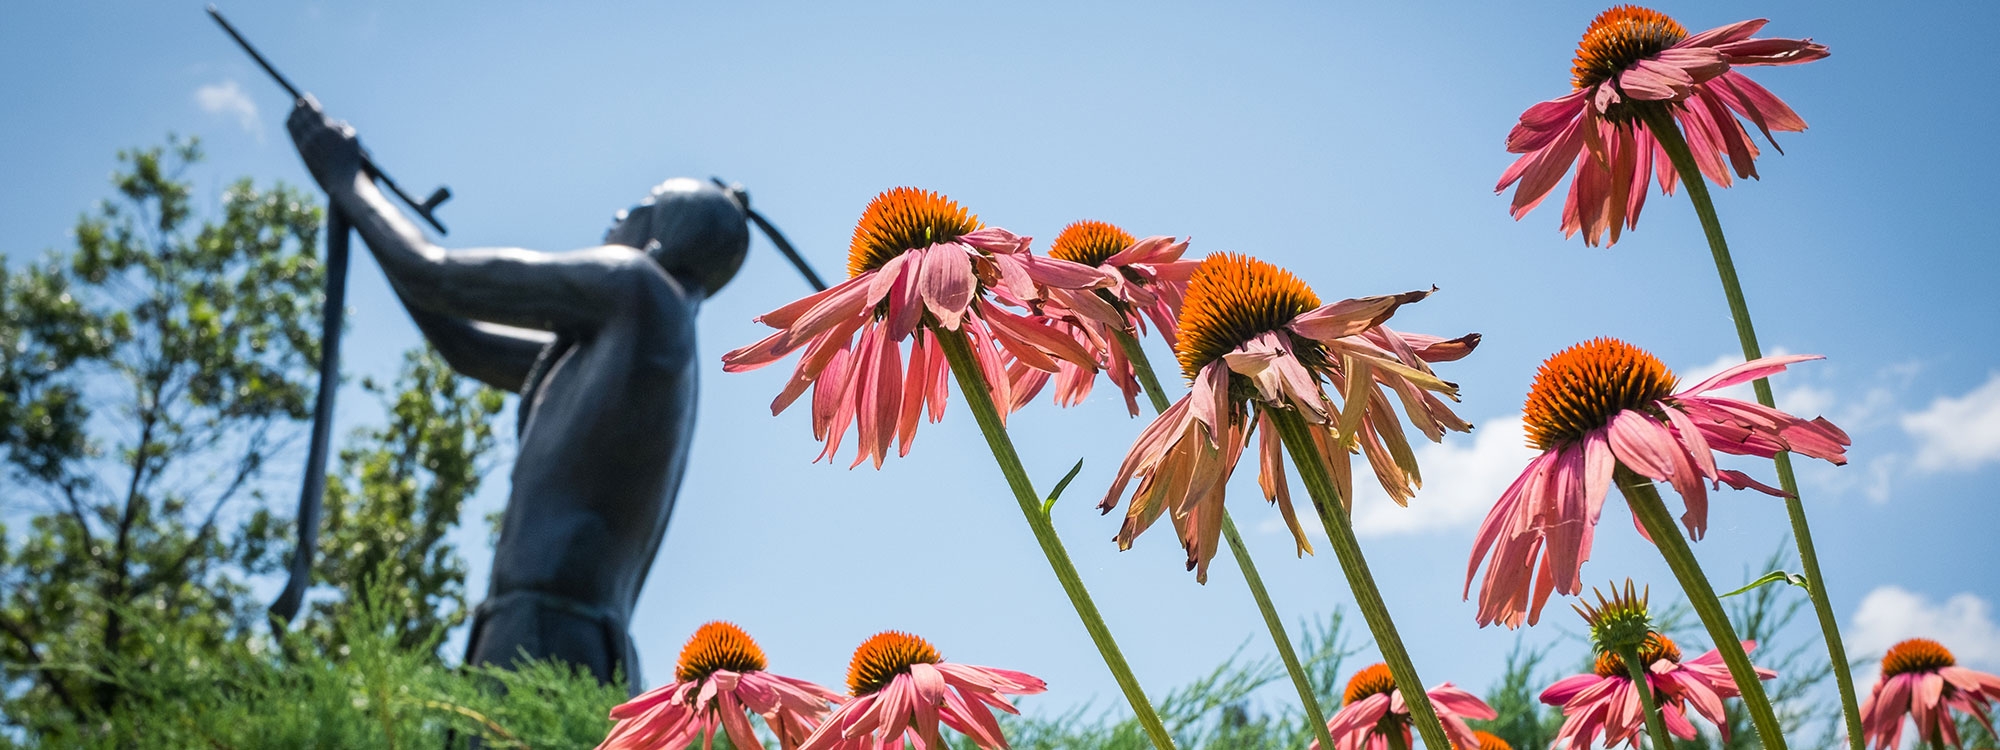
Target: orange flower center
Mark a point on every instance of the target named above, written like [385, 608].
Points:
[1916, 655]
[718, 645]
[1232, 299]
[1090, 242]
[1490, 741]
[1619, 37]
[883, 656]
[1657, 647]
[1582, 387]
[1374, 680]
[904, 219]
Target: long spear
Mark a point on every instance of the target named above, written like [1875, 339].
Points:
[338, 231]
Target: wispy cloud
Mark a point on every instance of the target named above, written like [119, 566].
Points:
[1890, 614]
[1958, 433]
[227, 99]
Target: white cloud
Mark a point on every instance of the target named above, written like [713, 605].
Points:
[1462, 478]
[1890, 614]
[1958, 433]
[228, 99]
[1880, 482]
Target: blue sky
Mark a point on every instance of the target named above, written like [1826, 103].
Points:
[1355, 145]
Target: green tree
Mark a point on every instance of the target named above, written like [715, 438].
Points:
[1220, 711]
[1523, 720]
[145, 379]
[396, 495]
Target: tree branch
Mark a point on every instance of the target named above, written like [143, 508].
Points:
[49, 676]
[252, 460]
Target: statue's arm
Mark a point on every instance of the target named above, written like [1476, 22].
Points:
[497, 355]
[570, 292]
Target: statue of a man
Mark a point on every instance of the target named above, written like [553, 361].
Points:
[600, 343]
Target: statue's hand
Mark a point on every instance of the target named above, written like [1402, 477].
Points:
[329, 147]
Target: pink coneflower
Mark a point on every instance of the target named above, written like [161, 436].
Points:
[903, 690]
[917, 267]
[1254, 338]
[1373, 708]
[1603, 404]
[1151, 281]
[1605, 704]
[1632, 59]
[1922, 681]
[719, 682]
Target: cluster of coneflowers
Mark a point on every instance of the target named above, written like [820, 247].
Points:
[934, 295]
[900, 690]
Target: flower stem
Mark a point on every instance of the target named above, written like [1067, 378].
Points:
[1666, 535]
[972, 383]
[1394, 739]
[1340, 535]
[1671, 140]
[1143, 369]
[1656, 726]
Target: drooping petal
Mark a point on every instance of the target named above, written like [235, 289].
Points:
[1352, 316]
[946, 283]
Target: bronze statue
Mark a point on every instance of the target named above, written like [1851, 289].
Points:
[600, 343]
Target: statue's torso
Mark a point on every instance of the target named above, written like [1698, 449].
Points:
[601, 456]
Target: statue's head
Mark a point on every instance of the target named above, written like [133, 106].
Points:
[694, 230]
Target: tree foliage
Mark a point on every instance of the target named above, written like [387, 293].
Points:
[397, 493]
[374, 692]
[145, 378]
[1244, 704]
[148, 378]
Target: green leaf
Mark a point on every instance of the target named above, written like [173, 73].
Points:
[1057, 492]
[1773, 577]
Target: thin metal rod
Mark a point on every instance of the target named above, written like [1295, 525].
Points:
[791, 254]
[261, 62]
[422, 208]
[314, 486]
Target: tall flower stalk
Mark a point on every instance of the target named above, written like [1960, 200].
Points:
[972, 382]
[1259, 351]
[1649, 705]
[1652, 515]
[1340, 535]
[1677, 150]
[1645, 88]
[1143, 369]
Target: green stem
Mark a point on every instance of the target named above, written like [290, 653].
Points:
[1652, 514]
[1395, 739]
[1656, 725]
[972, 384]
[1148, 380]
[1671, 140]
[1143, 369]
[1340, 535]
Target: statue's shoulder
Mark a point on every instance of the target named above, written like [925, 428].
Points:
[654, 294]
